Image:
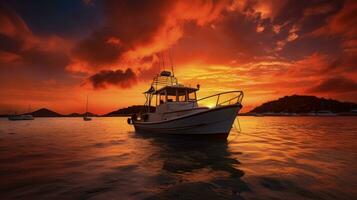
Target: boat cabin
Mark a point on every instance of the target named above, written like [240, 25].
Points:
[173, 98]
[176, 94]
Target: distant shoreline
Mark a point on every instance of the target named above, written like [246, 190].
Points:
[288, 106]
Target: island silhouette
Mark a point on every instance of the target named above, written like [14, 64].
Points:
[300, 104]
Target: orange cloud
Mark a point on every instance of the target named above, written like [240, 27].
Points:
[268, 9]
[22, 47]
[112, 49]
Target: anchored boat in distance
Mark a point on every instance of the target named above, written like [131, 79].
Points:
[178, 111]
[86, 117]
[20, 117]
[17, 117]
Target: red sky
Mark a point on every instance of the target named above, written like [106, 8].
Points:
[54, 53]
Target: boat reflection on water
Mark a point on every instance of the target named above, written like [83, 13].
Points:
[196, 168]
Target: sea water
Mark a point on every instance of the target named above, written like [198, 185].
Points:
[271, 158]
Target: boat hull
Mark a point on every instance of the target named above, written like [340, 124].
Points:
[87, 118]
[216, 121]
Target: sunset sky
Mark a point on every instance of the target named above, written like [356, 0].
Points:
[55, 53]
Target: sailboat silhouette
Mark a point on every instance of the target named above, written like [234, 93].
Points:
[86, 117]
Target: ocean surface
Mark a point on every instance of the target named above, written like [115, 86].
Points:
[271, 158]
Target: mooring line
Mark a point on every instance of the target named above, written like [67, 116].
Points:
[238, 131]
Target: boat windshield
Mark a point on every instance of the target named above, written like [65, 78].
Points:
[192, 96]
[176, 95]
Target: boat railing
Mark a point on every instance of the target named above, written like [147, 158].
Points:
[222, 98]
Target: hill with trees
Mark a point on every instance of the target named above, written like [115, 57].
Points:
[304, 104]
[44, 112]
[128, 111]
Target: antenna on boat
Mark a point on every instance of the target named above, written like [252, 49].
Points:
[172, 64]
[162, 59]
[87, 106]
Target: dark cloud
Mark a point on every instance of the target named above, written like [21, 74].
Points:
[135, 20]
[13, 30]
[46, 63]
[131, 22]
[41, 57]
[96, 49]
[9, 44]
[9, 19]
[342, 22]
[123, 79]
[36, 62]
[336, 84]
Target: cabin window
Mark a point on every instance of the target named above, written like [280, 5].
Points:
[170, 98]
[192, 96]
[182, 97]
[178, 95]
[162, 98]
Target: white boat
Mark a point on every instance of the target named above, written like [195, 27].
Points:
[20, 117]
[179, 112]
[26, 116]
[86, 117]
